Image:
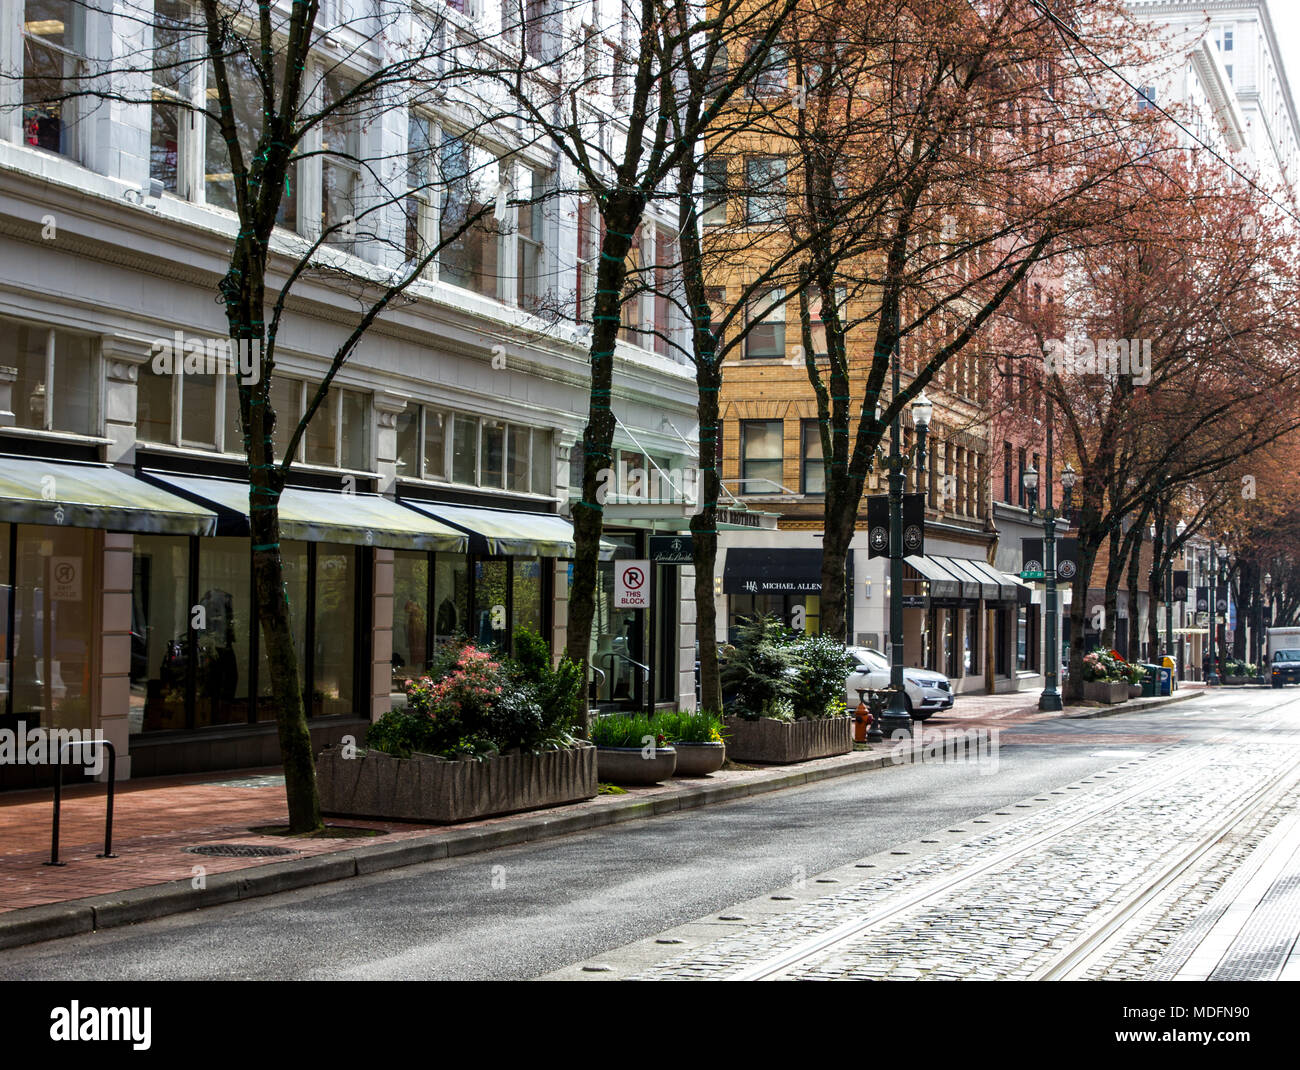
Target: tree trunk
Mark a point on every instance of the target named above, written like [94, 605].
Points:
[1155, 587]
[838, 536]
[621, 216]
[1134, 622]
[1114, 569]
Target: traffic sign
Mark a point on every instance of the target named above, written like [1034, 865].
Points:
[632, 584]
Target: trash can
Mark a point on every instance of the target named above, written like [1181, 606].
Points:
[1151, 681]
[1172, 666]
[1166, 680]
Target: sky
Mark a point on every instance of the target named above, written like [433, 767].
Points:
[1286, 21]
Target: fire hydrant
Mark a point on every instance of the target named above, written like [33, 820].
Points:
[861, 717]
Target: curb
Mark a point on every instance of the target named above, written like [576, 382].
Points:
[29, 925]
[1126, 707]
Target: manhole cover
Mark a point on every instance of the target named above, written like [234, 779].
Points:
[238, 850]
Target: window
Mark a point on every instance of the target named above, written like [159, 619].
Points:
[1227, 40]
[766, 339]
[53, 61]
[421, 203]
[169, 125]
[814, 472]
[340, 165]
[246, 104]
[1006, 472]
[435, 444]
[487, 453]
[1021, 497]
[1147, 97]
[762, 455]
[715, 191]
[765, 188]
[773, 73]
[591, 229]
[471, 253]
[529, 236]
[492, 463]
[339, 433]
[49, 378]
[667, 287]
[539, 29]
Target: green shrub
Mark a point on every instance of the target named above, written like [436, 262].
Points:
[759, 669]
[824, 667]
[685, 726]
[625, 730]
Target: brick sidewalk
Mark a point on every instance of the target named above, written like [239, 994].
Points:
[155, 819]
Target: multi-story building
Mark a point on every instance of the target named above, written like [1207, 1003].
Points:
[429, 494]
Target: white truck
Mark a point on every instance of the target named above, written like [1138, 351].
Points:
[1284, 656]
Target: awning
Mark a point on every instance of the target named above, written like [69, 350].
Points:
[38, 491]
[944, 582]
[500, 531]
[1022, 593]
[772, 570]
[318, 515]
[990, 589]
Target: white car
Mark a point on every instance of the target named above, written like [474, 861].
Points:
[926, 692]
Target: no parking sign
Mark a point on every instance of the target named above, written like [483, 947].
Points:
[632, 584]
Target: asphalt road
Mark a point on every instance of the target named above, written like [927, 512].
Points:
[523, 911]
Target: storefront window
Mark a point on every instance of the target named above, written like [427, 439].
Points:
[616, 634]
[296, 567]
[451, 595]
[1022, 638]
[528, 593]
[491, 602]
[410, 613]
[54, 594]
[223, 628]
[335, 646]
[160, 620]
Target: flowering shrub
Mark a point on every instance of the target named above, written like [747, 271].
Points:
[473, 702]
[1108, 666]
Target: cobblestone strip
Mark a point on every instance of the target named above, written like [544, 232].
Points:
[1156, 945]
[762, 940]
[1019, 915]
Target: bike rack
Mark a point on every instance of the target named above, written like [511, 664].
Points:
[58, 798]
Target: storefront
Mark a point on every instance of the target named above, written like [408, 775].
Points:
[69, 642]
[782, 582]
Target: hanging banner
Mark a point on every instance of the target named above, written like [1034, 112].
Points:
[1033, 564]
[1067, 559]
[1202, 599]
[1221, 603]
[1180, 586]
[913, 525]
[877, 525]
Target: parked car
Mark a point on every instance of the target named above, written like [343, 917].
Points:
[926, 692]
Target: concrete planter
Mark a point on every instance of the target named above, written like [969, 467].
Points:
[438, 791]
[1109, 691]
[628, 765]
[699, 759]
[1134, 690]
[766, 740]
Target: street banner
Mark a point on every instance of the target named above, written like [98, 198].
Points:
[877, 525]
[1180, 586]
[913, 525]
[1032, 557]
[1202, 599]
[1067, 560]
[1221, 602]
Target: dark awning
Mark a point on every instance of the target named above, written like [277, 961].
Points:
[39, 491]
[772, 570]
[944, 583]
[503, 531]
[319, 515]
[985, 587]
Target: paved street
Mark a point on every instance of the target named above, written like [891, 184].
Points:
[1148, 845]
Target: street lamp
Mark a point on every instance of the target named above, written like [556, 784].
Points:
[1050, 699]
[1221, 577]
[896, 719]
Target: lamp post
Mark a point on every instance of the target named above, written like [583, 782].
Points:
[1050, 699]
[1212, 573]
[1221, 576]
[896, 719]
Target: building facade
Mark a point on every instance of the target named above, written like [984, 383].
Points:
[430, 493]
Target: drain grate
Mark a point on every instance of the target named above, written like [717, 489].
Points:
[239, 850]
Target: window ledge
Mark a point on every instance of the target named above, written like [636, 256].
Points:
[56, 436]
[434, 484]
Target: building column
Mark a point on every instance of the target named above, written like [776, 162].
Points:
[122, 356]
[388, 405]
[381, 644]
[686, 638]
[114, 640]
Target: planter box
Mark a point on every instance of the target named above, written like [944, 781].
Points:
[434, 790]
[699, 759]
[627, 765]
[1109, 691]
[766, 740]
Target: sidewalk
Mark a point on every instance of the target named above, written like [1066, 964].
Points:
[156, 820]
